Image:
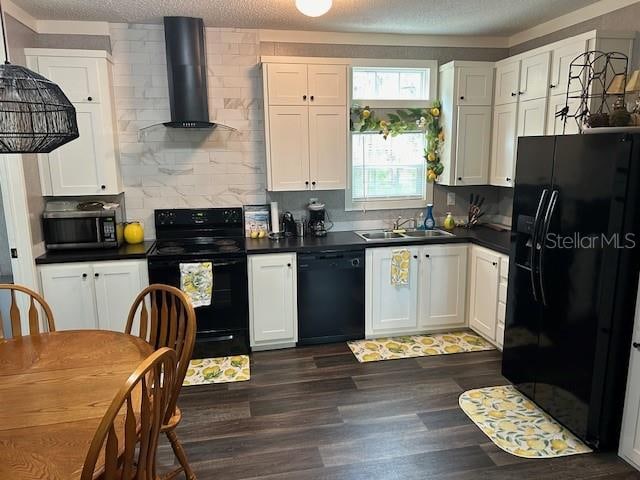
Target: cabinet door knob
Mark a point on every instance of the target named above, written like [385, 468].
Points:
[513, 94]
[495, 264]
[521, 93]
[415, 256]
[313, 183]
[460, 178]
[636, 345]
[84, 275]
[552, 86]
[306, 183]
[312, 98]
[462, 97]
[90, 99]
[304, 97]
[289, 265]
[508, 179]
[96, 275]
[426, 256]
[103, 187]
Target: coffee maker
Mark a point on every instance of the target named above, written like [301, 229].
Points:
[317, 219]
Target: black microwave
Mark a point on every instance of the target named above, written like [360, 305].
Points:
[73, 229]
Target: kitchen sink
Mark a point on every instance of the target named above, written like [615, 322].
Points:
[380, 235]
[427, 234]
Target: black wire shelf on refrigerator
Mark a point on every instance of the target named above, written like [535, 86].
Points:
[591, 75]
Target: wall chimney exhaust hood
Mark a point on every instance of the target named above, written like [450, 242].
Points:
[187, 74]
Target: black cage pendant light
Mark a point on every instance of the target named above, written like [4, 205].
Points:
[35, 115]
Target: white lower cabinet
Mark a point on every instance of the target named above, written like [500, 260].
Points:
[487, 293]
[94, 295]
[433, 299]
[443, 286]
[273, 310]
[630, 435]
[390, 309]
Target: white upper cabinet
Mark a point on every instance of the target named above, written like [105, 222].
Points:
[287, 84]
[507, 82]
[79, 78]
[466, 122]
[390, 309]
[68, 177]
[532, 116]
[503, 145]
[88, 165]
[272, 299]
[561, 58]
[556, 124]
[306, 128]
[289, 146]
[327, 85]
[327, 148]
[472, 153]
[443, 286]
[534, 76]
[474, 85]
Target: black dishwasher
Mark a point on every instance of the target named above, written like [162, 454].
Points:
[330, 296]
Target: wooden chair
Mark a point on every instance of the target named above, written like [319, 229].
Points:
[167, 319]
[35, 301]
[142, 401]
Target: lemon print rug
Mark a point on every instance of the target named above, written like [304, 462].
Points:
[517, 425]
[418, 346]
[218, 370]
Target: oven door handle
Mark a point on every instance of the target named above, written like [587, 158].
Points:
[171, 263]
[221, 338]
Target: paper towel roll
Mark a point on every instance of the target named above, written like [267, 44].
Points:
[275, 218]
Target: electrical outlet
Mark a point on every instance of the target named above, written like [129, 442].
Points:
[451, 199]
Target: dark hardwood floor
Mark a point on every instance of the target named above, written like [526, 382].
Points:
[316, 413]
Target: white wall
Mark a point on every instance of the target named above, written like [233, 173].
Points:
[176, 168]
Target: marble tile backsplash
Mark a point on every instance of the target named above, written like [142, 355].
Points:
[176, 168]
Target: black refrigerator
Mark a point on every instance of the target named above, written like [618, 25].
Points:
[573, 277]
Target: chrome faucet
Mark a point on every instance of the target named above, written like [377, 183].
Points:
[399, 222]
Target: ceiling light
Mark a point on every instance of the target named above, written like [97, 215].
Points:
[314, 8]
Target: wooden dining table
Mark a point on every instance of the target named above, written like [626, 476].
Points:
[54, 390]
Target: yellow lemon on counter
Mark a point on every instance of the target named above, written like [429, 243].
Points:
[134, 233]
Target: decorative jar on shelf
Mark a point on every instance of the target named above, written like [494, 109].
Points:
[134, 233]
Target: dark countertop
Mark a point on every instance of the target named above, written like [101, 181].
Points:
[483, 236]
[125, 252]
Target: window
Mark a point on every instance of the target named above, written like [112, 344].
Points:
[390, 173]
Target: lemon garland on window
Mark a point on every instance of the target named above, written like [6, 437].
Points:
[427, 120]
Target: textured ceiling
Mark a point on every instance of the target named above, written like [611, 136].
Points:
[450, 17]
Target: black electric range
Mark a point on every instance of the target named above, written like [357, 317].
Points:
[213, 235]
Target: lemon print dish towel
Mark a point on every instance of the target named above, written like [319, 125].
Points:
[218, 370]
[400, 260]
[517, 425]
[412, 346]
[196, 281]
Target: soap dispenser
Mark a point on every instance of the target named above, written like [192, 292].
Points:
[429, 221]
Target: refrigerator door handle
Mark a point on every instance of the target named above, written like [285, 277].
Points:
[547, 222]
[534, 242]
